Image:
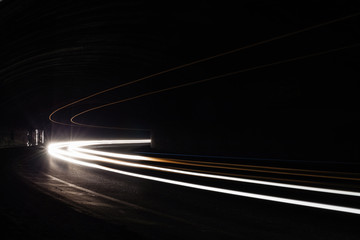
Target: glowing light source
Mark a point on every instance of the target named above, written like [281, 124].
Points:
[76, 153]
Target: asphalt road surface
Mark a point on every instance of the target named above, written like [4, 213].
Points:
[157, 196]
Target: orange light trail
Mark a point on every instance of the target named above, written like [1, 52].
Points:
[78, 153]
[194, 63]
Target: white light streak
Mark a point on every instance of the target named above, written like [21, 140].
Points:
[75, 152]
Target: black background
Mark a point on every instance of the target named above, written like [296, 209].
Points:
[55, 52]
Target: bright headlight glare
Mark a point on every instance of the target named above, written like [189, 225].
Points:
[77, 153]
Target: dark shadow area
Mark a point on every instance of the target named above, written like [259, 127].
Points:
[26, 213]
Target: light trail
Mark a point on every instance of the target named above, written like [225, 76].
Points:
[77, 153]
[254, 168]
[282, 36]
[227, 166]
[229, 74]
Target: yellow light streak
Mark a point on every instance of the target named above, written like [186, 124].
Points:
[246, 168]
[78, 151]
[74, 151]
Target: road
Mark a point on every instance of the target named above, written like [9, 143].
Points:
[164, 196]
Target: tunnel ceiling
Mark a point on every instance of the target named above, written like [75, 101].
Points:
[55, 52]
